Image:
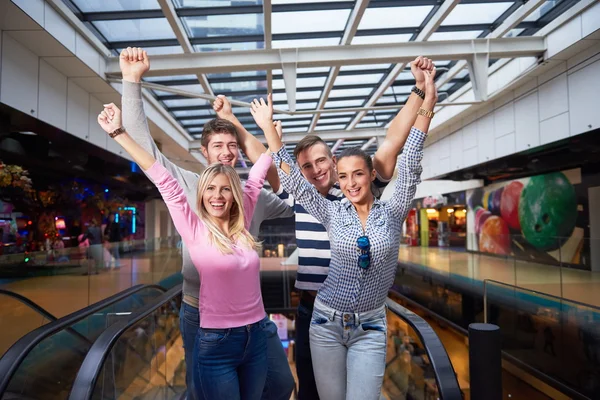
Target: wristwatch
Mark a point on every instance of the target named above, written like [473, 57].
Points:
[425, 113]
[116, 132]
[418, 92]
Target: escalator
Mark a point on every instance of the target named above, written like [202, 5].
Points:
[43, 363]
[141, 356]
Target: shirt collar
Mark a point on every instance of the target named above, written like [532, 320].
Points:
[347, 203]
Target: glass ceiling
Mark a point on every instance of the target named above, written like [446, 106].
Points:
[221, 25]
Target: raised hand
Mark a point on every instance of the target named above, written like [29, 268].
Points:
[110, 118]
[430, 88]
[222, 107]
[278, 129]
[418, 67]
[263, 112]
[134, 63]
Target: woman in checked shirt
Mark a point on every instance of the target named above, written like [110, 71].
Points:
[348, 327]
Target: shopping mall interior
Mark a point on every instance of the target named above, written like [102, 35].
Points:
[496, 292]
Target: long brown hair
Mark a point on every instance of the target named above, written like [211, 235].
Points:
[238, 234]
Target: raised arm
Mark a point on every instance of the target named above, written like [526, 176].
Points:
[249, 144]
[289, 174]
[253, 187]
[186, 221]
[409, 162]
[134, 63]
[385, 158]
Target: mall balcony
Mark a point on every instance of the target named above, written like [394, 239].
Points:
[503, 233]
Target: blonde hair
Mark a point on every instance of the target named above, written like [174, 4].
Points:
[237, 229]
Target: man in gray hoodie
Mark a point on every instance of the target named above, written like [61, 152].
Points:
[220, 143]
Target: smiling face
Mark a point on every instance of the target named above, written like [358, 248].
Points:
[355, 179]
[218, 197]
[318, 167]
[221, 148]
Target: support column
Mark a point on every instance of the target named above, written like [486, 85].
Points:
[485, 362]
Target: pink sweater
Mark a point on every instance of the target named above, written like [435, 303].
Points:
[229, 283]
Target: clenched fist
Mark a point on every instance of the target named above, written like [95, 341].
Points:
[134, 63]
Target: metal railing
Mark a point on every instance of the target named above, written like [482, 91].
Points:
[445, 376]
[17, 353]
[523, 289]
[29, 303]
[88, 375]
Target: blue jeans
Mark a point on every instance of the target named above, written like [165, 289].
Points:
[189, 321]
[307, 388]
[231, 364]
[348, 352]
[280, 381]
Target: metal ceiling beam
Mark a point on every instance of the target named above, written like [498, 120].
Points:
[509, 23]
[250, 9]
[258, 60]
[351, 27]
[238, 103]
[337, 145]
[290, 138]
[431, 26]
[370, 143]
[168, 9]
[289, 68]
[267, 16]
[228, 39]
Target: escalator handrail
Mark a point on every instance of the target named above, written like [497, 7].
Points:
[40, 310]
[445, 376]
[29, 303]
[14, 356]
[87, 376]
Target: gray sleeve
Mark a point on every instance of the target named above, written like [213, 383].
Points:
[268, 206]
[134, 121]
[272, 206]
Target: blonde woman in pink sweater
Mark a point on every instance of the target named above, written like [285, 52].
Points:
[230, 355]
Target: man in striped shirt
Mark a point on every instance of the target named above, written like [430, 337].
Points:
[317, 165]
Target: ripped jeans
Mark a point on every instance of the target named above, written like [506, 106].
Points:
[348, 352]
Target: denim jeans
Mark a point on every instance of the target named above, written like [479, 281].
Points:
[307, 388]
[189, 321]
[280, 381]
[348, 352]
[231, 364]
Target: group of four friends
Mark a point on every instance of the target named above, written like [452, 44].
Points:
[348, 242]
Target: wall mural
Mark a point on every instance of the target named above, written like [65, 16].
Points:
[533, 218]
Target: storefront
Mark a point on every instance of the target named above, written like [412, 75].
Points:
[437, 221]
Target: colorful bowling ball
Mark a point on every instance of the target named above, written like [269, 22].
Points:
[509, 205]
[480, 219]
[547, 210]
[486, 200]
[495, 237]
[495, 200]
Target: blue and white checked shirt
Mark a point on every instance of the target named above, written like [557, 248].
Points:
[314, 252]
[349, 288]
